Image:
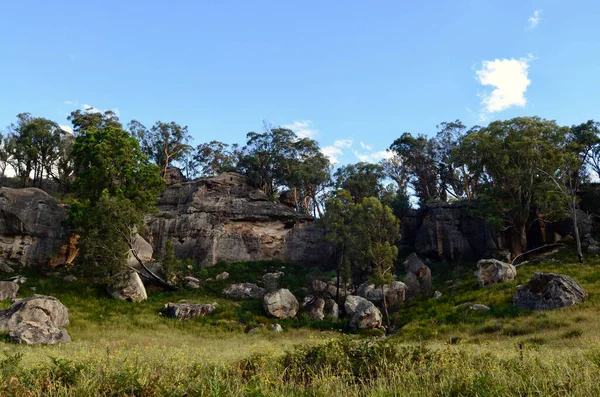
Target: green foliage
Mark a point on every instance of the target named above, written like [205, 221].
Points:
[215, 157]
[361, 180]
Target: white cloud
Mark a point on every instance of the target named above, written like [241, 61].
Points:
[535, 19]
[373, 157]
[91, 109]
[66, 128]
[332, 152]
[365, 146]
[510, 80]
[303, 129]
[74, 103]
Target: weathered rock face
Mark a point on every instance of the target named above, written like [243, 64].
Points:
[244, 291]
[36, 320]
[31, 230]
[448, 232]
[281, 304]
[395, 293]
[418, 277]
[185, 311]
[223, 218]
[492, 271]
[271, 281]
[8, 290]
[362, 313]
[547, 291]
[127, 286]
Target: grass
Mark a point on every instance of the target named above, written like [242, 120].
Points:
[441, 349]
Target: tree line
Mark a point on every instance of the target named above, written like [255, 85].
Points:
[522, 171]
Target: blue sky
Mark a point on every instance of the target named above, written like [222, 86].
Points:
[341, 72]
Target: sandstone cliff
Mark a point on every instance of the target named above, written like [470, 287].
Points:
[31, 230]
[223, 218]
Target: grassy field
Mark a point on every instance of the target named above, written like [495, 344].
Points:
[130, 349]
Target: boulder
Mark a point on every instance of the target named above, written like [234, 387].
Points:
[281, 304]
[127, 286]
[244, 291]
[316, 308]
[479, 307]
[36, 320]
[31, 229]
[224, 218]
[143, 250]
[70, 278]
[222, 276]
[185, 311]
[395, 293]
[331, 309]
[492, 271]
[8, 290]
[288, 198]
[326, 290]
[547, 291]
[5, 268]
[418, 277]
[362, 313]
[154, 267]
[192, 282]
[271, 281]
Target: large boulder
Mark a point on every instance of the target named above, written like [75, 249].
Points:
[243, 291]
[547, 291]
[8, 290]
[362, 313]
[185, 311]
[36, 320]
[492, 271]
[281, 304]
[31, 229]
[127, 286]
[224, 218]
[418, 277]
[395, 293]
[143, 250]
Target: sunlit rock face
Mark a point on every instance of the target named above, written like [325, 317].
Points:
[223, 218]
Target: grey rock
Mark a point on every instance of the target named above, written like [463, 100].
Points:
[154, 267]
[362, 313]
[281, 304]
[271, 281]
[8, 290]
[395, 293]
[222, 276]
[143, 250]
[479, 307]
[316, 309]
[5, 268]
[36, 320]
[223, 218]
[185, 311]
[492, 271]
[127, 286]
[244, 291]
[418, 277]
[70, 278]
[437, 295]
[31, 229]
[331, 309]
[276, 328]
[548, 291]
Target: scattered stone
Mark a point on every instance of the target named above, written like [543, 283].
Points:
[316, 309]
[463, 305]
[33, 288]
[492, 271]
[362, 313]
[281, 304]
[185, 311]
[547, 291]
[479, 307]
[16, 279]
[36, 320]
[276, 328]
[395, 293]
[244, 291]
[418, 277]
[8, 290]
[222, 276]
[331, 309]
[192, 282]
[127, 286]
[70, 278]
[437, 295]
[271, 281]
[190, 267]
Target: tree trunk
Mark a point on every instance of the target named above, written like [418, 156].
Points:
[387, 315]
[576, 232]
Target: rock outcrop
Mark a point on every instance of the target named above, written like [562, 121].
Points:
[492, 271]
[185, 311]
[36, 320]
[223, 218]
[31, 230]
[281, 304]
[244, 291]
[362, 313]
[418, 277]
[127, 286]
[548, 291]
